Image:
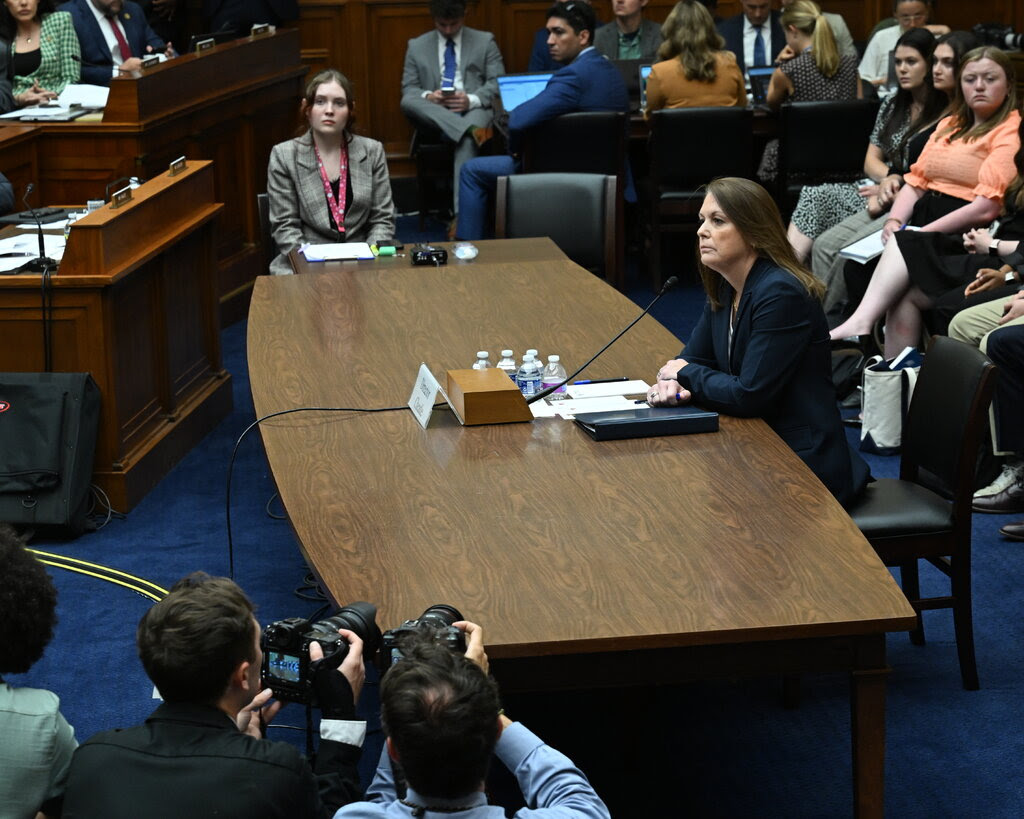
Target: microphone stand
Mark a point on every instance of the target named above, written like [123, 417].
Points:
[544, 393]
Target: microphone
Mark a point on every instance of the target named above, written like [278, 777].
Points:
[668, 285]
[43, 263]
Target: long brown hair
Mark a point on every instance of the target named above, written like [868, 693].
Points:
[961, 120]
[755, 214]
[329, 75]
[689, 34]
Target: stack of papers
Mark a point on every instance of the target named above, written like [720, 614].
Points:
[868, 248]
[336, 252]
[17, 250]
[73, 101]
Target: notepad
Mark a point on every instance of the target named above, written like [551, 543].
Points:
[868, 248]
[340, 251]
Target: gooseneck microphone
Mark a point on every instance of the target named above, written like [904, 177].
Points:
[544, 393]
[43, 263]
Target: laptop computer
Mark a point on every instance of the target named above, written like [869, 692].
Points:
[643, 72]
[759, 77]
[515, 89]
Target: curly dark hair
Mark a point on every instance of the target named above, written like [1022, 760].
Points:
[28, 605]
[8, 25]
[441, 712]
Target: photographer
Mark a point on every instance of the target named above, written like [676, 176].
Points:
[443, 720]
[37, 740]
[201, 752]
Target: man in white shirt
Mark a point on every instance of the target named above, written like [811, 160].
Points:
[449, 82]
[755, 36]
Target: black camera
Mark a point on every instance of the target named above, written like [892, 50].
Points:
[286, 648]
[999, 35]
[435, 622]
[429, 255]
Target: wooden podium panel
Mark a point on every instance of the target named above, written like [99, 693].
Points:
[135, 305]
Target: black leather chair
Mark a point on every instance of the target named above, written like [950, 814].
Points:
[926, 513]
[435, 162]
[266, 237]
[688, 148]
[583, 142]
[581, 212]
[821, 142]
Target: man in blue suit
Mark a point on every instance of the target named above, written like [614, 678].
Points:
[588, 82]
[112, 33]
[741, 34]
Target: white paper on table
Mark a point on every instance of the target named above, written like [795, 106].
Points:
[28, 244]
[569, 408]
[634, 387]
[88, 96]
[339, 251]
[48, 111]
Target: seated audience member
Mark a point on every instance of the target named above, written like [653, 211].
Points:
[588, 82]
[112, 33]
[37, 741]
[754, 36]
[957, 184]
[464, 58]
[443, 720]
[239, 16]
[44, 50]
[810, 69]
[201, 752]
[980, 325]
[916, 106]
[874, 65]
[844, 40]
[540, 54]
[826, 263]
[630, 36]
[694, 71]
[328, 185]
[760, 348]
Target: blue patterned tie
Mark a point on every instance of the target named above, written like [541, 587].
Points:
[449, 63]
[759, 58]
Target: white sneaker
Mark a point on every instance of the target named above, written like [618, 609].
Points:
[1012, 473]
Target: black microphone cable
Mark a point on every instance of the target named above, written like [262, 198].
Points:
[544, 393]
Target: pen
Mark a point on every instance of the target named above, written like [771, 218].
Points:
[601, 380]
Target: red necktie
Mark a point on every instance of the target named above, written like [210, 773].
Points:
[122, 43]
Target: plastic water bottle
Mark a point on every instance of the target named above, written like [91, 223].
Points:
[508, 364]
[483, 361]
[536, 358]
[554, 373]
[528, 379]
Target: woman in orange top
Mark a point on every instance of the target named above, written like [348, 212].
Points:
[695, 70]
[957, 184]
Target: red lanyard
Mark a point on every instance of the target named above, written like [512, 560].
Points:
[336, 204]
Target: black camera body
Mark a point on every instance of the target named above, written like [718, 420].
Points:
[429, 255]
[999, 35]
[285, 644]
[436, 621]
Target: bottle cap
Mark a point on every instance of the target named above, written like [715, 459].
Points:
[482, 354]
[506, 353]
[527, 357]
[553, 358]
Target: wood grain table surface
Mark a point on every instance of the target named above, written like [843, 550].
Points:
[557, 543]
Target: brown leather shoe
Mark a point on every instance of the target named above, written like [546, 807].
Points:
[1013, 531]
[1007, 502]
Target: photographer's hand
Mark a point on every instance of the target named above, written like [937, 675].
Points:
[264, 715]
[338, 689]
[474, 643]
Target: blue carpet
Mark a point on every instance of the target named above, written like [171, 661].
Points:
[712, 749]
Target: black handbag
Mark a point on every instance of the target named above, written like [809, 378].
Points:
[48, 427]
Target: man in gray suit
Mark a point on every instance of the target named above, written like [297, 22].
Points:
[450, 79]
[630, 37]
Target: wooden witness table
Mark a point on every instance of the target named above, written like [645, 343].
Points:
[679, 557]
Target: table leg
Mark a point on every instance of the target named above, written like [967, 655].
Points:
[867, 729]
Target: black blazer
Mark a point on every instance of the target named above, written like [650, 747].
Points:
[732, 32]
[779, 369]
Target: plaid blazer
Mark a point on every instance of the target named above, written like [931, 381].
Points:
[58, 66]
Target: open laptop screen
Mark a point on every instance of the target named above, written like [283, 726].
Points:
[515, 89]
[760, 77]
[644, 71]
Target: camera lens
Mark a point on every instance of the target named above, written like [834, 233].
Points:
[440, 616]
[361, 618]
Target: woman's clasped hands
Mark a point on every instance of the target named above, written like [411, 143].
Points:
[666, 391]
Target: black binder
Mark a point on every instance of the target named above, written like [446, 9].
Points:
[646, 422]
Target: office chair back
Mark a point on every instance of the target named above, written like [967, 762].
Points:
[580, 212]
[583, 142]
[822, 141]
[266, 237]
[691, 146]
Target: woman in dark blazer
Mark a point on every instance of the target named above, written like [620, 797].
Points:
[761, 347]
[328, 185]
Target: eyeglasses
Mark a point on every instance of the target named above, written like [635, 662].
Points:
[910, 18]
